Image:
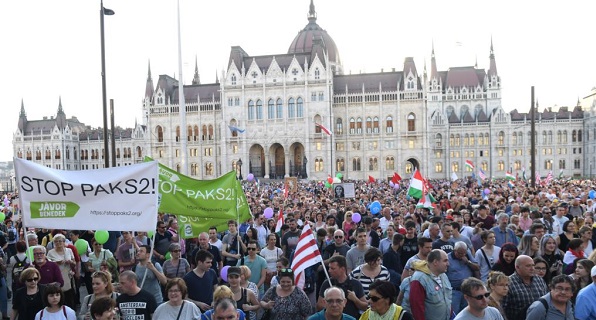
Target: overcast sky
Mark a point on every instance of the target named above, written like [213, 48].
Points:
[52, 48]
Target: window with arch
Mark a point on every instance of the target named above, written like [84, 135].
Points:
[577, 164]
[501, 138]
[500, 165]
[550, 137]
[452, 140]
[544, 137]
[486, 138]
[139, 152]
[299, 108]
[472, 140]
[195, 131]
[438, 167]
[520, 138]
[579, 136]
[517, 165]
[211, 132]
[209, 169]
[466, 139]
[319, 165]
[514, 138]
[159, 133]
[178, 167]
[559, 137]
[457, 139]
[317, 74]
[280, 108]
[411, 122]
[368, 125]
[291, 108]
[548, 164]
[573, 136]
[339, 126]
[376, 125]
[251, 110]
[317, 120]
[233, 79]
[373, 164]
[480, 139]
[177, 133]
[270, 109]
[389, 124]
[455, 166]
[359, 125]
[565, 139]
[352, 126]
[438, 140]
[409, 167]
[204, 133]
[57, 154]
[562, 164]
[194, 169]
[484, 166]
[259, 111]
[356, 165]
[390, 163]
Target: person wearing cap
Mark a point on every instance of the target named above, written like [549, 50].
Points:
[246, 300]
[585, 304]
[487, 220]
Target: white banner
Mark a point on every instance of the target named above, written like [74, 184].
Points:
[113, 199]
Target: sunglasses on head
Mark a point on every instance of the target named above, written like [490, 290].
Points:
[480, 296]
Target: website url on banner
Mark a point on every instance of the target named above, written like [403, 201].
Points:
[115, 213]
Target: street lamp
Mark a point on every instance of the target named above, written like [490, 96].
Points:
[108, 12]
[239, 163]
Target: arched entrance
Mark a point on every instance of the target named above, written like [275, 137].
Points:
[256, 160]
[298, 161]
[411, 164]
[277, 168]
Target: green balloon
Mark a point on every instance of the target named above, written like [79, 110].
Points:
[339, 175]
[101, 236]
[150, 233]
[2, 216]
[81, 246]
[327, 184]
[168, 255]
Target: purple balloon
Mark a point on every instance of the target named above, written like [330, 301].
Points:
[356, 217]
[391, 184]
[486, 191]
[224, 273]
[250, 177]
[268, 213]
[396, 186]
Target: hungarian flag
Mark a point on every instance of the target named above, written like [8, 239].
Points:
[524, 174]
[396, 178]
[307, 254]
[560, 174]
[323, 128]
[280, 221]
[416, 185]
[371, 179]
[509, 176]
[470, 165]
[427, 202]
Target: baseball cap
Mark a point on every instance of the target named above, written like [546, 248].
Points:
[234, 271]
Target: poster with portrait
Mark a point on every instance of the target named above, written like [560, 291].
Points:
[343, 190]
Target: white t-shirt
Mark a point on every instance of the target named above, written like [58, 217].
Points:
[59, 315]
[490, 313]
[271, 257]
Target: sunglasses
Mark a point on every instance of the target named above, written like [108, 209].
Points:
[252, 249]
[339, 237]
[286, 270]
[480, 296]
[32, 279]
[374, 298]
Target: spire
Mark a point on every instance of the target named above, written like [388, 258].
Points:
[149, 86]
[476, 63]
[22, 118]
[196, 79]
[433, 64]
[312, 14]
[60, 110]
[60, 115]
[492, 70]
[216, 77]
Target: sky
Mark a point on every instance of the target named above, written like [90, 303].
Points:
[52, 48]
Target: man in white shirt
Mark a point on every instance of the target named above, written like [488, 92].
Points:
[213, 240]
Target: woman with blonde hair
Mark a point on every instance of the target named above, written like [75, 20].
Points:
[220, 293]
[498, 285]
[529, 246]
[28, 300]
[101, 281]
[244, 280]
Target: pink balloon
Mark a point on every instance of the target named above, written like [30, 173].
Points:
[356, 217]
[268, 213]
[224, 273]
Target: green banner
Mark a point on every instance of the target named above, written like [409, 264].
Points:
[201, 204]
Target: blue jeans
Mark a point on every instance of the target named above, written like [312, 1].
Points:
[3, 297]
[458, 303]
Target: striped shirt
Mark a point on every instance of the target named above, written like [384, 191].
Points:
[359, 276]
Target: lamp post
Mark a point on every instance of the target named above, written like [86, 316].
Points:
[104, 11]
[239, 163]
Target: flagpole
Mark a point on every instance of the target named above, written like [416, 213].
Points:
[150, 257]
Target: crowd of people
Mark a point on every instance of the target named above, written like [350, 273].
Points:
[479, 252]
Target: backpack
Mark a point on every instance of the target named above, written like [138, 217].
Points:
[18, 267]
[12, 234]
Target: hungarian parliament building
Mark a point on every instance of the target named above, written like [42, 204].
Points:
[297, 114]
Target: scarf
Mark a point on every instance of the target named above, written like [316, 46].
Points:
[579, 253]
[373, 315]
